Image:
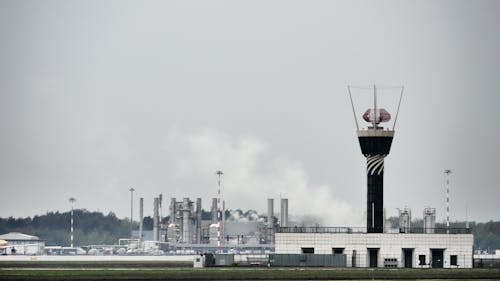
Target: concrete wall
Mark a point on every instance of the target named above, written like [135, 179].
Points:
[390, 246]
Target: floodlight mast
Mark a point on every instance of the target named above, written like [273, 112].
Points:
[375, 142]
[72, 200]
[219, 232]
[131, 210]
[447, 172]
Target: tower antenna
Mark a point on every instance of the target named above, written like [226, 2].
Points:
[399, 105]
[374, 107]
[353, 111]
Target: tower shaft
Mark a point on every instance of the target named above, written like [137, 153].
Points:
[375, 204]
[375, 145]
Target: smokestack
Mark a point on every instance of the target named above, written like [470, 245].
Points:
[185, 221]
[214, 210]
[141, 218]
[172, 210]
[270, 220]
[155, 219]
[284, 212]
[198, 220]
[160, 198]
[161, 234]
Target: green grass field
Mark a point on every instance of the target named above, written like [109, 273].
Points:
[248, 274]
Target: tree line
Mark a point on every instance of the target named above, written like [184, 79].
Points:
[95, 228]
[90, 228]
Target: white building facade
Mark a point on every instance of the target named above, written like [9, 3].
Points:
[415, 250]
[22, 244]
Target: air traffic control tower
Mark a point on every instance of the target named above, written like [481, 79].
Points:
[375, 141]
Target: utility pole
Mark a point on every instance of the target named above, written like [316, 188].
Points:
[131, 209]
[447, 172]
[219, 174]
[71, 200]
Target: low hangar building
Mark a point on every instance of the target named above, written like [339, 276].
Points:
[22, 244]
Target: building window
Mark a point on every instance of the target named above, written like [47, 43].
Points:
[337, 251]
[307, 250]
[421, 260]
[390, 262]
[453, 260]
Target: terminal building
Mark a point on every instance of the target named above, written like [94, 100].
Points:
[374, 245]
[364, 249]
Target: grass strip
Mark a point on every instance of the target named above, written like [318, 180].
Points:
[251, 274]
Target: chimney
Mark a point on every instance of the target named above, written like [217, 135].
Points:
[284, 212]
[198, 220]
[214, 210]
[270, 220]
[156, 233]
[141, 218]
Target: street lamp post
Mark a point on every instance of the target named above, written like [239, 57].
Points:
[72, 200]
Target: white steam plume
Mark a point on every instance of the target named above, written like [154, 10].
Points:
[251, 176]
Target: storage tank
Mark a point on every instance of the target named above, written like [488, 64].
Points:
[404, 220]
[429, 220]
[213, 233]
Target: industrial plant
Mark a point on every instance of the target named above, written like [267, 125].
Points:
[187, 231]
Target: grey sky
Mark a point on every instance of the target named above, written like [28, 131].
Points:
[98, 96]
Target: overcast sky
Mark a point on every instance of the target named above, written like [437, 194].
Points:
[100, 96]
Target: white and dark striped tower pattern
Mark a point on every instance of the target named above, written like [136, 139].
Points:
[375, 164]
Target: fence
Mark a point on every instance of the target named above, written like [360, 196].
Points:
[321, 229]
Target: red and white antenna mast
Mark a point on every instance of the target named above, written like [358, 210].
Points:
[219, 238]
[447, 172]
[72, 200]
